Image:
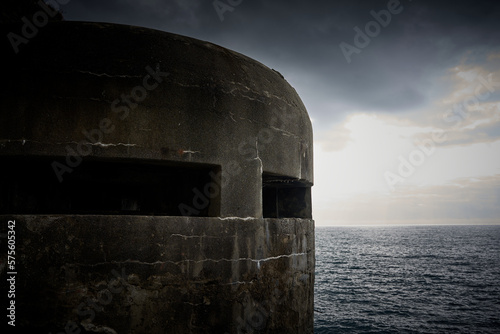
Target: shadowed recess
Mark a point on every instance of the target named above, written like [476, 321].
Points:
[30, 186]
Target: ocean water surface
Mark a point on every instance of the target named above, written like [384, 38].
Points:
[407, 279]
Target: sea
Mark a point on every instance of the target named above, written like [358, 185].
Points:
[407, 279]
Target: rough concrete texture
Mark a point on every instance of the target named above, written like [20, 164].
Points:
[109, 135]
[134, 274]
[215, 106]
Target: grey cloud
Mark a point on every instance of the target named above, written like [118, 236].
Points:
[465, 198]
[298, 38]
[484, 133]
[335, 140]
[471, 200]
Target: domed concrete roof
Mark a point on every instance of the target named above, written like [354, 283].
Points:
[114, 92]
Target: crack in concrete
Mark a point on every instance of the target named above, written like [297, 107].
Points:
[257, 152]
[266, 93]
[286, 133]
[24, 141]
[243, 89]
[197, 236]
[110, 144]
[239, 282]
[258, 261]
[239, 218]
[110, 75]
[247, 119]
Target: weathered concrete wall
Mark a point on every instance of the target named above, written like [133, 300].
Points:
[109, 134]
[164, 274]
[106, 87]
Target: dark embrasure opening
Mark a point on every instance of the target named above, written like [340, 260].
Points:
[285, 197]
[31, 186]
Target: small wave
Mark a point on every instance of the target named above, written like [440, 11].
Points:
[407, 280]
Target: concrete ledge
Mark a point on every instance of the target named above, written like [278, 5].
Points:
[164, 274]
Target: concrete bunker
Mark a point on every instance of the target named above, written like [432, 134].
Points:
[159, 184]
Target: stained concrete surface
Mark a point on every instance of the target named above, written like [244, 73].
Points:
[159, 184]
[129, 274]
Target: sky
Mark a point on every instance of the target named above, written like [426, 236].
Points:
[404, 96]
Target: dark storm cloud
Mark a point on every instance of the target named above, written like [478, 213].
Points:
[393, 73]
